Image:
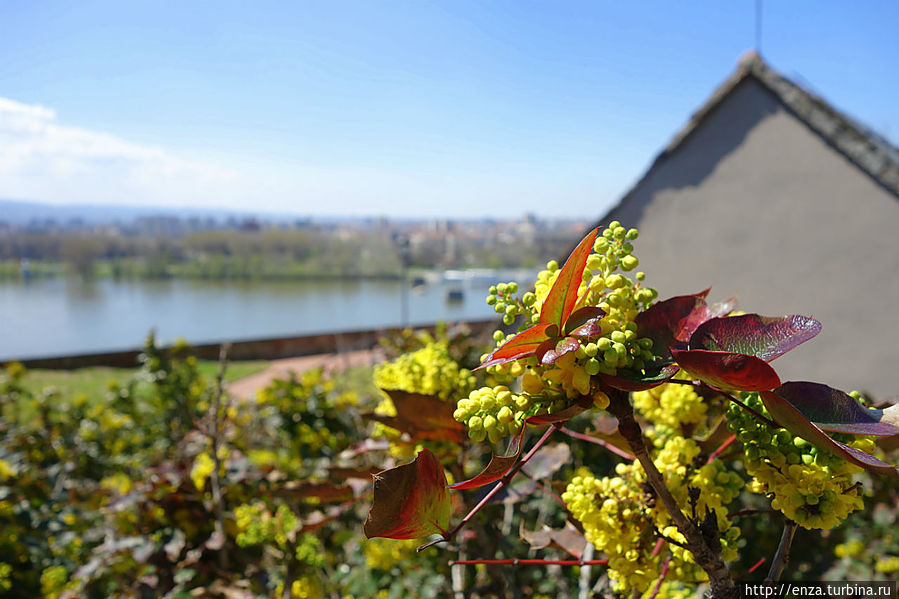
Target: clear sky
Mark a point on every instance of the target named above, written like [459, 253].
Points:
[456, 108]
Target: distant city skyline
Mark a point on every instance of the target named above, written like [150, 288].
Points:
[420, 110]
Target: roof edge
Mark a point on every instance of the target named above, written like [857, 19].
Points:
[867, 150]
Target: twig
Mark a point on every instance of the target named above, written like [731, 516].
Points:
[662, 575]
[451, 534]
[723, 446]
[783, 553]
[706, 556]
[596, 441]
[215, 438]
[749, 512]
[531, 562]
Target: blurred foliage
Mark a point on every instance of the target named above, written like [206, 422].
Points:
[113, 496]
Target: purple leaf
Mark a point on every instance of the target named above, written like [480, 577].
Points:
[585, 322]
[793, 420]
[832, 410]
[564, 346]
[760, 336]
[670, 322]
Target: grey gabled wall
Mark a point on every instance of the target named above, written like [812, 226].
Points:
[754, 203]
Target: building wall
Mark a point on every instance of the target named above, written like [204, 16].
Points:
[754, 203]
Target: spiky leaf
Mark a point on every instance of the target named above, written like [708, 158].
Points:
[764, 337]
[727, 370]
[410, 501]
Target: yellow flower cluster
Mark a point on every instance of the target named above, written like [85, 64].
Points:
[493, 412]
[671, 405]
[809, 486]
[604, 284]
[385, 554]
[430, 370]
[621, 517]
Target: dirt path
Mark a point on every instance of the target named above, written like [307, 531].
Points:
[280, 369]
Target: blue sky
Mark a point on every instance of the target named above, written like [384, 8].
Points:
[456, 108]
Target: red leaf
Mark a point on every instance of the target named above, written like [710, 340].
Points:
[832, 410]
[410, 501]
[629, 381]
[424, 417]
[498, 466]
[559, 303]
[727, 370]
[670, 322]
[793, 420]
[585, 322]
[564, 346]
[521, 345]
[765, 337]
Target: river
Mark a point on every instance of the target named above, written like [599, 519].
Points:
[57, 317]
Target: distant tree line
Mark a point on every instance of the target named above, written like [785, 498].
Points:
[270, 253]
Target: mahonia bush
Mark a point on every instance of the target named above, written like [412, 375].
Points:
[606, 283]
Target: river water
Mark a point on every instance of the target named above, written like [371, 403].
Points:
[56, 317]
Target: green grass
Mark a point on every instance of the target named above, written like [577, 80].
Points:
[93, 382]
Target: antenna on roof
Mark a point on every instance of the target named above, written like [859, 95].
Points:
[758, 26]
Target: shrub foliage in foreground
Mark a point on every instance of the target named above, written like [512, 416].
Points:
[666, 442]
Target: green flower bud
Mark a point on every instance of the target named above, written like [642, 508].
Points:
[629, 262]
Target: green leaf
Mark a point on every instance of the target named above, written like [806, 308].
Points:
[498, 467]
[561, 299]
[793, 420]
[832, 410]
[764, 337]
[410, 501]
[728, 371]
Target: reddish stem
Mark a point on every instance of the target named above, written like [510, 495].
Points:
[724, 446]
[531, 562]
[449, 536]
[662, 575]
[596, 441]
[757, 565]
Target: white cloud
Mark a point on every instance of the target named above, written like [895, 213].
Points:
[43, 160]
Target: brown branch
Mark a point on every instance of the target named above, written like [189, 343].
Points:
[783, 553]
[706, 555]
